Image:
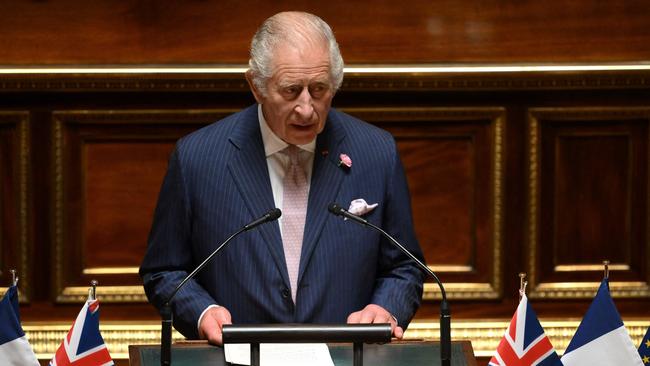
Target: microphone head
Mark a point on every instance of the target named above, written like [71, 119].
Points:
[335, 208]
[274, 214]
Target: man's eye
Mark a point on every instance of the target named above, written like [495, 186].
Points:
[292, 90]
[317, 90]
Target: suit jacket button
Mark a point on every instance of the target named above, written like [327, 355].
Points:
[286, 293]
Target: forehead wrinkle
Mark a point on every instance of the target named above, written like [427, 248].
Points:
[290, 75]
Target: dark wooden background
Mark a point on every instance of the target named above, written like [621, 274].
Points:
[537, 172]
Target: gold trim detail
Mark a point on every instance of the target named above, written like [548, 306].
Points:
[496, 116]
[57, 183]
[62, 118]
[485, 335]
[449, 268]
[461, 291]
[591, 267]
[570, 290]
[358, 69]
[110, 270]
[46, 338]
[497, 219]
[358, 77]
[76, 294]
[587, 290]
[21, 120]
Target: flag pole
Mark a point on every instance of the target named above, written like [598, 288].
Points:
[606, 264]
[522, 285]
[14, 278]
[92, 291]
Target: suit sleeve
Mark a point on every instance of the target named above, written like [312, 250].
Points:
[169, 254]
[399, 283]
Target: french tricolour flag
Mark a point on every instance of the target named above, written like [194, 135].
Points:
[83, 345]
[14, 348]
[601, 338]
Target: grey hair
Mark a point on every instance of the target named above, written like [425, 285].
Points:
[289, 27]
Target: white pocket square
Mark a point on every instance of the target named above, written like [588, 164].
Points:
[360, 207]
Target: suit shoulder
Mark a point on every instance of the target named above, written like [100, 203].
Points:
[215, 134]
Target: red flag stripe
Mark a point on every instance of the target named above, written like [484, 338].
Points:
[98, 357]
[509, 356]
[513, 327]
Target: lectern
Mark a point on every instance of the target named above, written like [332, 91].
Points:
[357, 334]
[418, 353]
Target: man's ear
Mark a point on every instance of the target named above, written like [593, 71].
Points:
[256, 93]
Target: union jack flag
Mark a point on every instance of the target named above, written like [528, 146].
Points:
[525, 343]
[84, 345]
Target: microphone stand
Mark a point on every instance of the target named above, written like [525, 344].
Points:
[166, 310]
[445, 312]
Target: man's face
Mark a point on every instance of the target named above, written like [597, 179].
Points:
[299, 94]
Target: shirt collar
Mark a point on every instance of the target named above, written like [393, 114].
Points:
[274, 144]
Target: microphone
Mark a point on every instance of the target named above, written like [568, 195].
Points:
[272, 215]
[166, 311]
[445, 312]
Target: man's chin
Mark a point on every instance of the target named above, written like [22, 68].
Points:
[302, 137]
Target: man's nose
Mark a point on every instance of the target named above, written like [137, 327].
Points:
[305, 106]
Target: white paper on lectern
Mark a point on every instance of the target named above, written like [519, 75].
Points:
[285, 354]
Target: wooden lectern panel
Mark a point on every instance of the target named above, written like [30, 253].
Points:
[391, 354]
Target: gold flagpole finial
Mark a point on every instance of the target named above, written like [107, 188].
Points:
[92, 291]
[14, 277]
[522, 285]
[606, 264]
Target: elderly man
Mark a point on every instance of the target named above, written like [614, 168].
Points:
[291, 151]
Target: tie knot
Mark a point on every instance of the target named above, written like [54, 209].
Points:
[293, 152]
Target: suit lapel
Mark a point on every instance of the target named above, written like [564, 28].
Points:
[325, 183]
[250, 173]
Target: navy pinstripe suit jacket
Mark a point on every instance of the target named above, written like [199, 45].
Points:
[217, 181]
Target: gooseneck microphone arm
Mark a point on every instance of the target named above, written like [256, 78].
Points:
[445, 313]
[166, 312]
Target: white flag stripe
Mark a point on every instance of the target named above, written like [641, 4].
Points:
[17, 353]
[77, 328]
[520, 352]
[611, 349]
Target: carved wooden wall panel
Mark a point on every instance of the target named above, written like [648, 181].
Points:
[108, 168]
[453, 159]
[588, 200]
[15, 214]
[508, 171]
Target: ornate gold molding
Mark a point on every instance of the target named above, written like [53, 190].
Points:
[571, 289]
[23, 247]
[68, 292]
[496, 116]
[46, 338]
[485, 335]
[461, 291]
[77, 294]
[360, 77]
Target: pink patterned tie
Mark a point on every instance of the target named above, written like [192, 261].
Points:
[294, 210]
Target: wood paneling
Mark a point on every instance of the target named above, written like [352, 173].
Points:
[509, 171]
[453, 161]
[197, 32]
[15, 218]
[108, 167]
[531, 172]
[591, 195]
